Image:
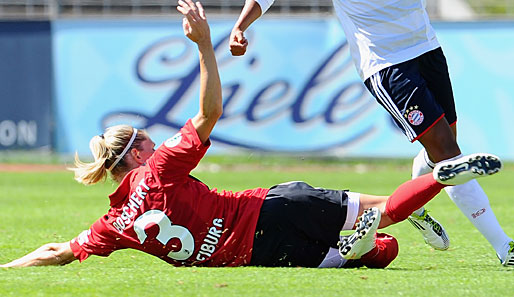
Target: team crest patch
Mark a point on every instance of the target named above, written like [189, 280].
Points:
[414, 116]
[174, 141]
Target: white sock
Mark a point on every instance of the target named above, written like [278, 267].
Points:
[474, 204]
[421, 165]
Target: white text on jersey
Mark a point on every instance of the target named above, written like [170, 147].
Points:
[211, 240]
[130, 210]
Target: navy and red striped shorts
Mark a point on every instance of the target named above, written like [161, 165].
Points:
[416, 93]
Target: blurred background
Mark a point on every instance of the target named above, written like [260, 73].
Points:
[52, 9]
[71, 68]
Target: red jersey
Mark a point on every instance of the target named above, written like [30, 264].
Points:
[160, 209]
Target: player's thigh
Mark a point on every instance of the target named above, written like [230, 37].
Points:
[434, 69]
[440, 142]
[297, 224]
[404, 93]
[280, 242]
[369, 201]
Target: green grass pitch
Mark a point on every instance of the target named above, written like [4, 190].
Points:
[38, 208]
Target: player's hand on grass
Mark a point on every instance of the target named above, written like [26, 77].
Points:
[237, 42]
[194, 22]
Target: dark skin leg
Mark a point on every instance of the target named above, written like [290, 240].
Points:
[440, 141]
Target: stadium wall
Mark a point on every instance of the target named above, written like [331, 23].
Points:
[295, 91]
[26, 85]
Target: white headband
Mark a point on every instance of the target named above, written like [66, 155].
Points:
[118, 159]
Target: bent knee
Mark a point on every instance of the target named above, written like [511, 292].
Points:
[388, 251]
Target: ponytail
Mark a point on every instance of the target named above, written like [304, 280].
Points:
[94, 172]
[108, 150]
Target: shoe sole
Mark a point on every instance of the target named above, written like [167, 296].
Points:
[366, 224]
[476, 165]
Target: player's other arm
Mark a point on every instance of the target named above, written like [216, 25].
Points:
[197, 29]
[48, 254]
[252, 10]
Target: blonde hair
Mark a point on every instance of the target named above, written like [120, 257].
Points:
[106, 150]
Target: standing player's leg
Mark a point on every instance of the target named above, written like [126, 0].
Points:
[441, 138]
[402, 92]
[438, 82]
[474, 204]
[381, 211]
[470, 197]
[426, 82]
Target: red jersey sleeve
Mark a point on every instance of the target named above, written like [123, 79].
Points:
[94, 241]
[180, 154]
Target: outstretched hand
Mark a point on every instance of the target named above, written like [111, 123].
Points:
[237, 42]
[194, 22]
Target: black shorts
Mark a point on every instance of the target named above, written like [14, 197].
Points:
[297, 225]
[417, 93]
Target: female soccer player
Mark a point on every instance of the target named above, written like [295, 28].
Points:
[160, 209]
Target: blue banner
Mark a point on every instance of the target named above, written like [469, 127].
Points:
[26, 85]
[296, 89]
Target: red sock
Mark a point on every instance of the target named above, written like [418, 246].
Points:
[412, 195]
[383, 254]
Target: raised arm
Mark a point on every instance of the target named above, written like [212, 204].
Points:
[197, 29]
[48, 254]
[252, 10]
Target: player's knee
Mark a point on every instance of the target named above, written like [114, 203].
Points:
[441, 149]
[388, 251]
[440, 143]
